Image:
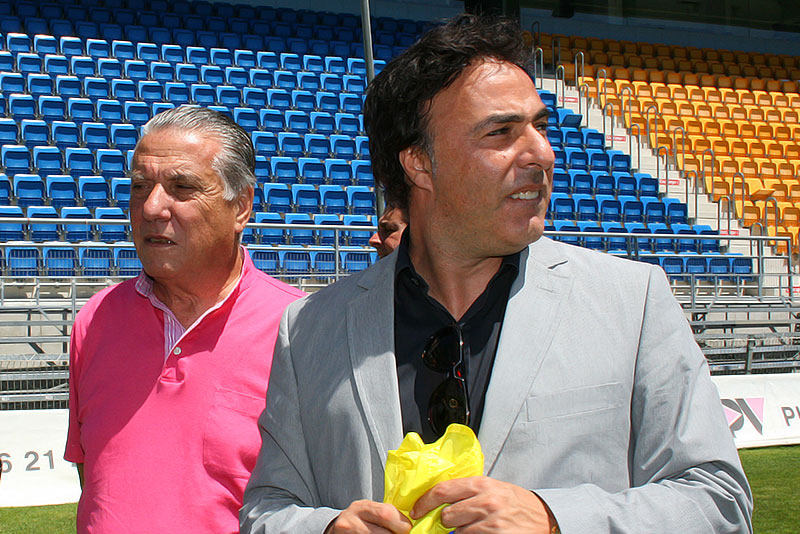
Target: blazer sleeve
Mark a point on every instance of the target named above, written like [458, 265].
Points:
[281, 494]
[685, 471]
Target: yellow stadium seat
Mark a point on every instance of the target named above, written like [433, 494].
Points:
[693, 127]
[667, 64]
[690, 78]
[747, 130]
[756, 148]
[725, 82]
[790, 117]
[792, 151]
[730, 129]
[685, 109]
[755, 113]
[746, 97]
[614, 46]
[772, 115]
[794, 192]
[642, 89]
[765, 132]
[711, 54]
[738, 113]
[749, 169]
[786, 170]
[721, 111]
[738, 148]
[646, 49]
[684, 65]
[638, 74]
[700, 67]
[716, 68]
[782, 133]
[711, 127]
[678, 91]
[729, 167]
[597, 44]
[791, 214]
[733, 70]
[703, 111]
[729, 96]
[628, 47]
[656, 76]
[774, 149]
[699, 144]
[757, 84]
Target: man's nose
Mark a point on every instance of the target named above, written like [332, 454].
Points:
[537, 149]
[375, 240]
[157, 203]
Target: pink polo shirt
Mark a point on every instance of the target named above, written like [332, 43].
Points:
[168, 444]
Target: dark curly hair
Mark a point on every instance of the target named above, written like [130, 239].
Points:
[398, 99]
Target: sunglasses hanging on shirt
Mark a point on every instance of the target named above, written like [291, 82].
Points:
[449, 402]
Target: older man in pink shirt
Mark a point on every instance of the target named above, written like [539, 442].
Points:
[168, 371]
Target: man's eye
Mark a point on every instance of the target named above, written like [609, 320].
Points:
[542, 127]
[499, 131]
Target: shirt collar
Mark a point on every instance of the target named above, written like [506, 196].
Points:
[405, 267]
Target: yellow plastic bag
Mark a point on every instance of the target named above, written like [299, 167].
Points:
[415, 468]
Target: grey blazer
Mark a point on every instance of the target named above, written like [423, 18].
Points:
[599, 400]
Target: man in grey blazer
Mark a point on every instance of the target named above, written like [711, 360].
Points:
[593, 404]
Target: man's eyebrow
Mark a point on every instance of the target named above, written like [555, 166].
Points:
[508, 117]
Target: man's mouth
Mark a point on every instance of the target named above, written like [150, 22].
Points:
[158, 240]
[526, 195]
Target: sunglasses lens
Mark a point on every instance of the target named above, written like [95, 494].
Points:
[443, 350]
[448, 404]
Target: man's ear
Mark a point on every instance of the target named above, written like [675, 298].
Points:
[417, 165]
[244, 205]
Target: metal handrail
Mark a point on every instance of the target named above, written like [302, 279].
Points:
[627, 89]
[776, 211]
[729, 203]
[611, 120]
[562, 70]
[655, 122]
[583, 91]
[675, 145]
[638, 144]
[583, 66]
[538, 54]
[666, 169]
[602, 73]
[556, 46]
[733, 189]
[713, 167]
[686, 189]
[535, 32]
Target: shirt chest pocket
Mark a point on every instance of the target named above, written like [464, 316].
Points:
[231, 439]
[574, 403]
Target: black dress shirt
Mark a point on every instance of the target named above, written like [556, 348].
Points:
[417, 316]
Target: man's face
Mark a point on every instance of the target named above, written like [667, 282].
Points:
[390, 230]
[182, 226]
[492, 164]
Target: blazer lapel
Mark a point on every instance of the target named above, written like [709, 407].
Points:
[534, 310]
[370, 335]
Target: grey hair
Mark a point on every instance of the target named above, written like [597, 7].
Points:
[236, 161]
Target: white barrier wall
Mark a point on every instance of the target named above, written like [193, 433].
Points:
[34, 471]
[762, 410]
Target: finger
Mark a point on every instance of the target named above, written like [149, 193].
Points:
[383, 515]
[446, 492]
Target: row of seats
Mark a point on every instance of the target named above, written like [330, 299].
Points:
[112, 33]
[22, 261]
[134, 103]
[616, 237]
[186, 14]
[676, 52]
[627, 208]
[111, 60]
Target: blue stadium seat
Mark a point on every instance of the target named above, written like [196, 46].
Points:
[284, 170]
[303, 100]
[358, 237]
[306, 198]
[582, 181]
[331, 82]
[79, 161]
[270, 236]
[98, 48]
[109, 68]
[277, 197]
[9, 132]
[11, 231]
[291, 144]
[62, 190]
[245, 58]
[33, 132]
[312, 170]
[322, 122]
[145, 51]
[308, 81]
[96, 261]
[586, 207]
[265, 143]
[68, 86]
[338, 171]
[297, 121]
[334, 199]
[610, 208]
[15, 159]
[80, 109]
[203, 94]
[23, 261]
[604, 183]
[39, 84]
[111, 232]
[43, 231]
[317, 145]
[350, 103]
[647, 185]
[328, 237]
[95, 135]
[29, 63]
[212, 74]
[662, 244]
[228, 95]
[21, 106]
[263, 171]
[94, 190]
[187, 73]
[124, 136]
[299, 235]
[123, 90]
[65, 134]
[172, 53]
[59, 261]
[677, 211]
[110, 163]
[136, 113]
[362, 173]
[567, 226]
[247, 118]
[655, 211]
[237, 77]
[45, 44]
[361, 200]
[632, 208]
[327, 101]
[82, 66]
[18, 42]
[150, 91]
[343, 147]
[254, 97]
[47, 160]
[127, 262]
[121, 192]
[267, 261]
[109, 111]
